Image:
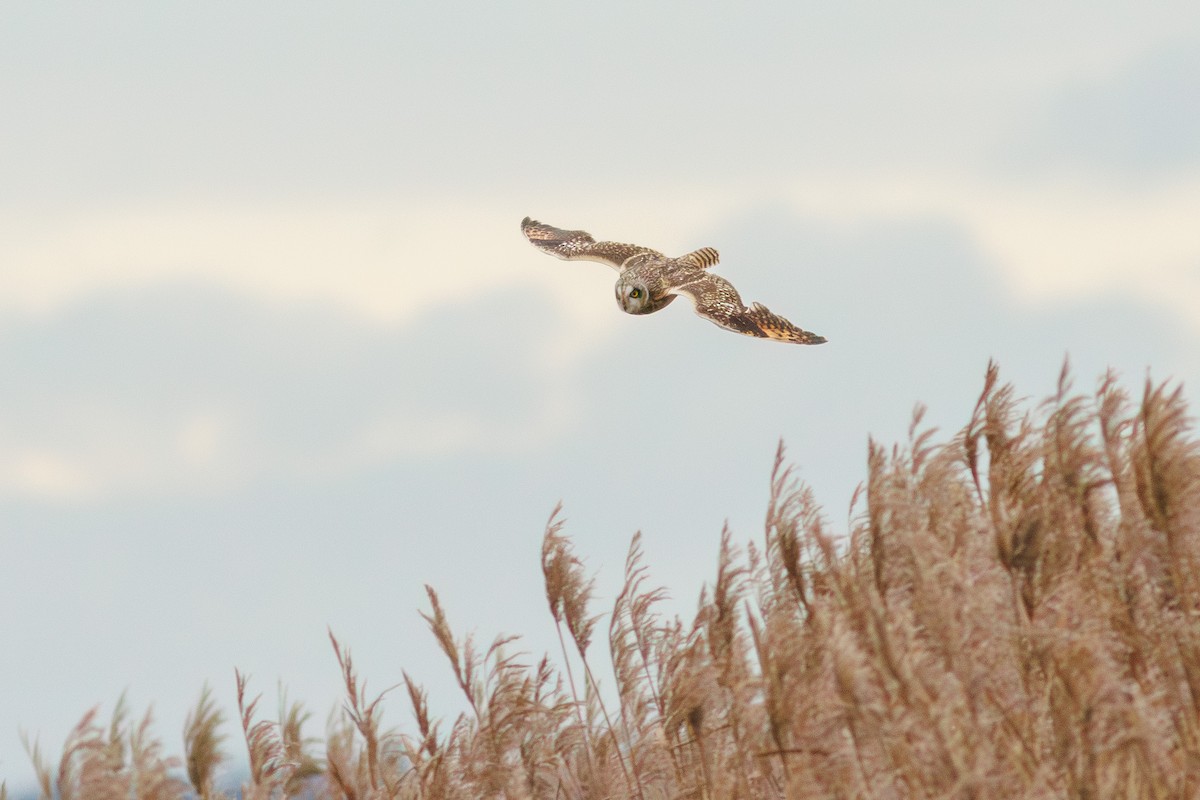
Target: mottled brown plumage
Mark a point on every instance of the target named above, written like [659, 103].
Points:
[649, 281]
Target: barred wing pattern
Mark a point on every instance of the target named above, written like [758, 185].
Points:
[580, 246]
[716, 300]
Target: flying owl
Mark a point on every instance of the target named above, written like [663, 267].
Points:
[649, 281]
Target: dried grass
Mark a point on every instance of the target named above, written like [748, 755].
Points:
[1013, 613]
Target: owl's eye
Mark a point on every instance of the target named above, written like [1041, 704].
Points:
[634, 294]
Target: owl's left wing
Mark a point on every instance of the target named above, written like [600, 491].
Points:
[716, 300]
[580, 246]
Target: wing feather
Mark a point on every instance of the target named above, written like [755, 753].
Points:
[580, 246]
[716, 300]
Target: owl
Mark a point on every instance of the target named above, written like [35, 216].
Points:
[648, 281]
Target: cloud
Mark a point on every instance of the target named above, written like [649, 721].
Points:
[384, 259]
[1139, 122]
[534, 95]
[1054, 240]
[381, 258]
[186, 388]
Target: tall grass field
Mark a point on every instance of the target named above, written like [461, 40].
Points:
[1014, 612]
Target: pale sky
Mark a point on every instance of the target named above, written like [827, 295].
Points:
[274, 354]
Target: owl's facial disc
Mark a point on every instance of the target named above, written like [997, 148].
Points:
[633, 297]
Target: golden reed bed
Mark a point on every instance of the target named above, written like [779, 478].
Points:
[1013, 613]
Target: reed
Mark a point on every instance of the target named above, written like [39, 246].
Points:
[1010, 613]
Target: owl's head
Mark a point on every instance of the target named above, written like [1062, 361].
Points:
[633, 297]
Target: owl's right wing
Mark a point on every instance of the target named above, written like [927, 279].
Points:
[580, 246]
[717, 301]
